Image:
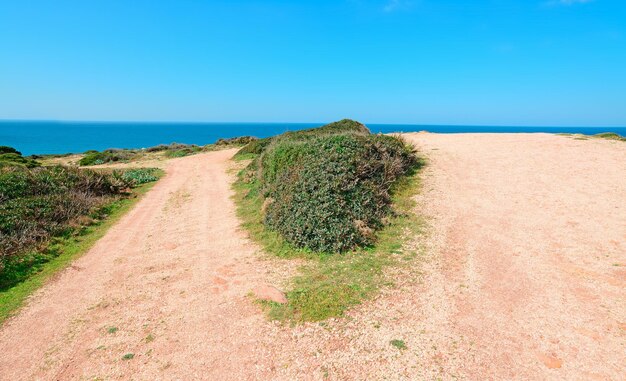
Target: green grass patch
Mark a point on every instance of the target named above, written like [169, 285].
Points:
[400, 344]
[128, 356]
[68, 249]
[138, 176]
[603, 135]
[329, 284]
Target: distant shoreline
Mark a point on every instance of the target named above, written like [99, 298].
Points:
[60, 137]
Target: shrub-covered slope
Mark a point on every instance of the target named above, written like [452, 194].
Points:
[10, 157]
[171, 150]
[328, 189]
[41, 203]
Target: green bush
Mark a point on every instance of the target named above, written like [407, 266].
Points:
[344, 126]
[140, 175]
[610, 136]
[255, 147]
[7, 149]
[328, 189]
[10, 157]
[169, 147]
[39, 204]
[237, 141]
[159, 148]
[190, 150]
[107, 156]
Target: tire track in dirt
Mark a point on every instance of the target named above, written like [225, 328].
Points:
[164, 284]
[521, 276]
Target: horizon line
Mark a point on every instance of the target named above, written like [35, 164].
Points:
[78, 121]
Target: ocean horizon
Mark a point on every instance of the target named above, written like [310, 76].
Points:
[60, 137]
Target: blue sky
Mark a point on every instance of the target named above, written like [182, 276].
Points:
[531, 62]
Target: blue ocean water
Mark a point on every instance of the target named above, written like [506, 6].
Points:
[44, 137]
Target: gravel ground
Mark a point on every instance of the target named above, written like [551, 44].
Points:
[521, 275]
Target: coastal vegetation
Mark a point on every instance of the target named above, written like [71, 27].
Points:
[10, 157]
[49, 213]
[610, 136]
[602, 135]
[338, 196]
[173, 150]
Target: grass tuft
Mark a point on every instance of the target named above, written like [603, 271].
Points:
[400, 344]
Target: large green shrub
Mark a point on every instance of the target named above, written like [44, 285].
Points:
[328, 189]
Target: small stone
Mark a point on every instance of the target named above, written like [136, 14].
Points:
[271, 293]
[550, 361]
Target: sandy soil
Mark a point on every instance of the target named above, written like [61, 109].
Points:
[522, 276]
[527, 276]
[171, 276]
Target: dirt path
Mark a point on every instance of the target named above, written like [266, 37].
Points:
[528, 278]
[522, 277]
[168, 279]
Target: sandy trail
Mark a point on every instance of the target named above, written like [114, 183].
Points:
[169, 277]
[528, 278]
[522, 277]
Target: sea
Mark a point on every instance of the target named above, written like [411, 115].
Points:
[59, 137]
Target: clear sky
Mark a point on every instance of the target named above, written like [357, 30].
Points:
[530, 62]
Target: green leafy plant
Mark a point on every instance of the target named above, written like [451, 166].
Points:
[328, 189]
[140, 175]
[400, 344]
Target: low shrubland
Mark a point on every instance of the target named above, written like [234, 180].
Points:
[338, 196]
[9, 156]
[107, 156]
[39, 205]
[610, 136]
[186, 151]
[236, 141]
[172, 150]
